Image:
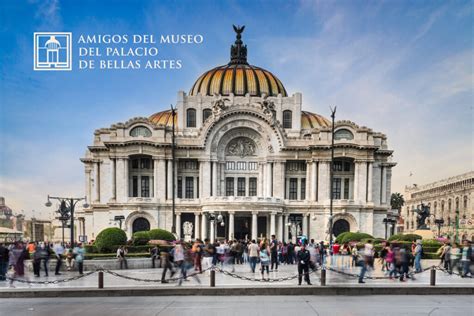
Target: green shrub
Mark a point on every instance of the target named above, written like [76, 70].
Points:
[341, 236]
[141, 238]
[161, 234]
[431, 243]
[405, 237]
[102, 256]
[90, 249]
[355, 237]
[109, 238]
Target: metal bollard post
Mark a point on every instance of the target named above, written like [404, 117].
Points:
[323, 277]
[101, 279]
[433, 276]
[213, 278]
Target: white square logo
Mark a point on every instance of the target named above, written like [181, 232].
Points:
[52, 51]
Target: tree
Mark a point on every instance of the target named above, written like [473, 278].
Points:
[397, 201]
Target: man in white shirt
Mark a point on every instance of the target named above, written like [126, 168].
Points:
[59, 251]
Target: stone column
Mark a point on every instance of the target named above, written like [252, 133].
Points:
[215, 178]
[205, 178]
[169, 180]
[285, 228]
[231, 225]
[314, 197]
[113, 162]
[97, 181]
[278, 176]
[178, 224]
[323, 181]
[197, 226]
[305, 224]
[384, 184]
[356, 181]
[268, 179]
[155, 178]
[212, 231]
[254, 226]
[88, 184]
[308, 181]
[204, 226]
[260, 180]
[272, 223]
[369, 184]
[280, 227]
[126, 179]
[160, 179]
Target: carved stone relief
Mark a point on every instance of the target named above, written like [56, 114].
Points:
[242, 147]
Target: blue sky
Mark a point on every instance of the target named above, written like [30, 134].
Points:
[404, 68]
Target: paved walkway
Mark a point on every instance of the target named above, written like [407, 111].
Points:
[242, 305]
[282, 277]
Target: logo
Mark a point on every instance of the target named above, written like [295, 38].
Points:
[52, 51]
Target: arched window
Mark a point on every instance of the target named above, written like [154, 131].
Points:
[191, 118]
[343, 134]
[449, 205]
[287, 119]
[465, 202]
[206, 113]
[140, 131]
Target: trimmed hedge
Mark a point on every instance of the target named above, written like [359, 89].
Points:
[348, 236]
[405, 237]
[141, 238]
[99, 256]
[161, 234]
[108, 238]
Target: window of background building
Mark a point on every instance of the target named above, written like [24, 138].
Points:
[145, 186]
[189, 187]
[303, 189]
[180, 188]
[287, 119]
[465, 202]
[253, 166]
[343, 134]
[346, 189]
[230, 165]
[134, 186]
[191, 118]
[229, 186]
[293, 190]
[241, 165]
[336, 189]
[206, 113]
[240, 186]
[252, 186]
[140, 131]
[337, 166]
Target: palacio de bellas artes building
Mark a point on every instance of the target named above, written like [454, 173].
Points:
[246, 153]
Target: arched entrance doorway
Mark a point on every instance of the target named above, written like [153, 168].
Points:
[340, 226]
[140, 224]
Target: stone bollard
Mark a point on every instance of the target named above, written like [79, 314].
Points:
[101, 279]
[213, 278]
[323, 277]
[433, 276]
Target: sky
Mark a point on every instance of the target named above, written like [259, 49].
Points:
[403, 68]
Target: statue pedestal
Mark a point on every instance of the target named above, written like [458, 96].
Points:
[425, 233]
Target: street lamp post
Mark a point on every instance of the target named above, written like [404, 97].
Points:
[214, 220]
[67, 206]
[331, 176]
[173, 155]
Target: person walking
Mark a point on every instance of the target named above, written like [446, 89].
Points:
[79, 254]
[274, 253]
[16, 258]
[197, 251]
[253, 255]
[208, 254]
[367, 260]
[265, 259]
[466, 256]
[166, 264]
[335, 254]
[303, 257]
[58, 252]
[418, 252]
[3, 261]
[154, 252]
[121, 257]
[446, 255]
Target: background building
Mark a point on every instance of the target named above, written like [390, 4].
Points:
[245, 150]
[444, 198]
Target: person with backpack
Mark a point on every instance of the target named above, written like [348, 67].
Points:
[265, 259]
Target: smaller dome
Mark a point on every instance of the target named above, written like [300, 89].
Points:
[164, 118]
[311, 120]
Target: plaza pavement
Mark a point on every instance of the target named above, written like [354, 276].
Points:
[436, 305]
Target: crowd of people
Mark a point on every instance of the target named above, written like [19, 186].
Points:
[13, 257]
[264, 256]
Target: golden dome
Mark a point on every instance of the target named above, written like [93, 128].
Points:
[164, 118]
[311, 120]
[238, 77]
[308, 120]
